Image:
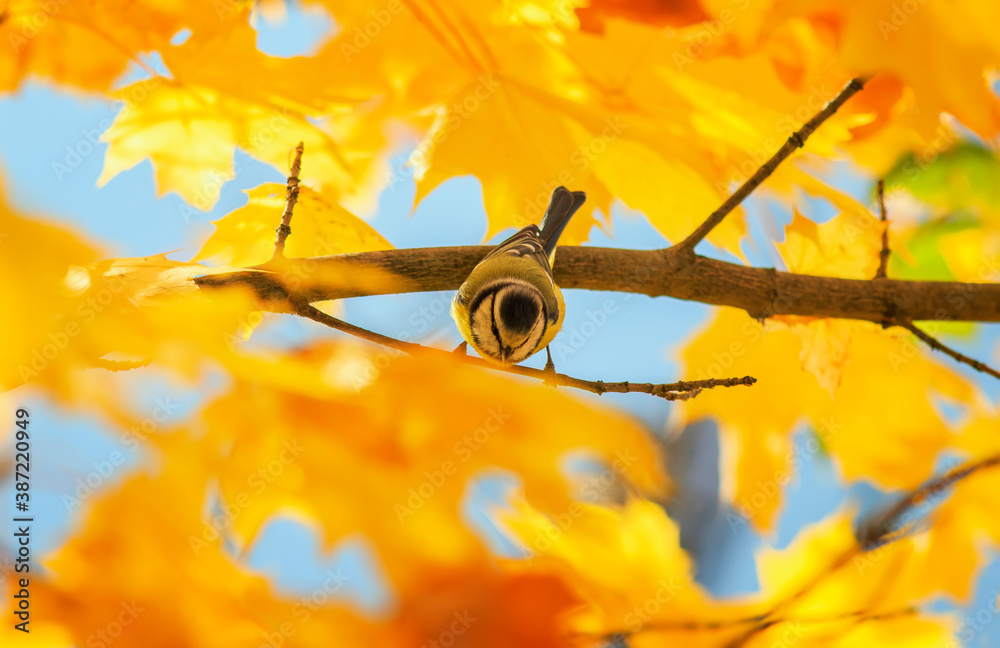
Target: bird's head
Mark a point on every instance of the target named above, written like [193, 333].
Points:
[508, 319]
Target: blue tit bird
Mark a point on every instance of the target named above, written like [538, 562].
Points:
[509, 307]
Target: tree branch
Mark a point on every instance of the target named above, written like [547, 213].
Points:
[878, 530]
[883, 255]
[300, 305]
[120, 365]
[291, 197]
[873, 532]
[796, 140]
[935, 344]
[682, 390]
[906, 322]
[761, 621]
[674, 272]
[762, 292]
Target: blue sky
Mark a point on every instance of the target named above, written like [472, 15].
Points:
[43, 127]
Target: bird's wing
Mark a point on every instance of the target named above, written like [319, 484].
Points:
[524, 243]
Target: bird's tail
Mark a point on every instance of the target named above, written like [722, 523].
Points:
[562, 205]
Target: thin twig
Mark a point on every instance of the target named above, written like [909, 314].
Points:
[906, 322]
[879, 530]
[120, 365]
[682, 390]
[291, 197]
[797, 140]
[873, 532]
[935, 344]
[883, 255]
[884, 527]
[702, 625]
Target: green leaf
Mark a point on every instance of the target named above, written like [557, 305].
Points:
[924, 246]
[963, 177]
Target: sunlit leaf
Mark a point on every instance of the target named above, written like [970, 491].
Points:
[322, 228]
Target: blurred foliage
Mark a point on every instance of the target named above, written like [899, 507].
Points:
[664, 106]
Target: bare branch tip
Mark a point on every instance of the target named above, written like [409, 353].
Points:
[884, 527]
[291, 198]
[883, 255]
[669, 391]
[795, 141]
[121, 365]
[937, 345]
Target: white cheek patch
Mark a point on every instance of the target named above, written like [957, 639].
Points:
[482, 326]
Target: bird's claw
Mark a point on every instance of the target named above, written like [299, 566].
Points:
[549, 370]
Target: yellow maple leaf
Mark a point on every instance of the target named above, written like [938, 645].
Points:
[972, 255]
[170, 117]
[594, 14]
[652, 184]
[627, 564]
[958, 527]
[846, 246]
[557, 125]
[35, 261]
[77, 313]
[424, 440]
[160, 586]
[824, 591]
[522, 166]
[885, 37]
[826, 345]
[322, 228]
[756, 424]
[208, 126]
[173, 579]
[89, 45]
[143, 279]
[478, 605]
